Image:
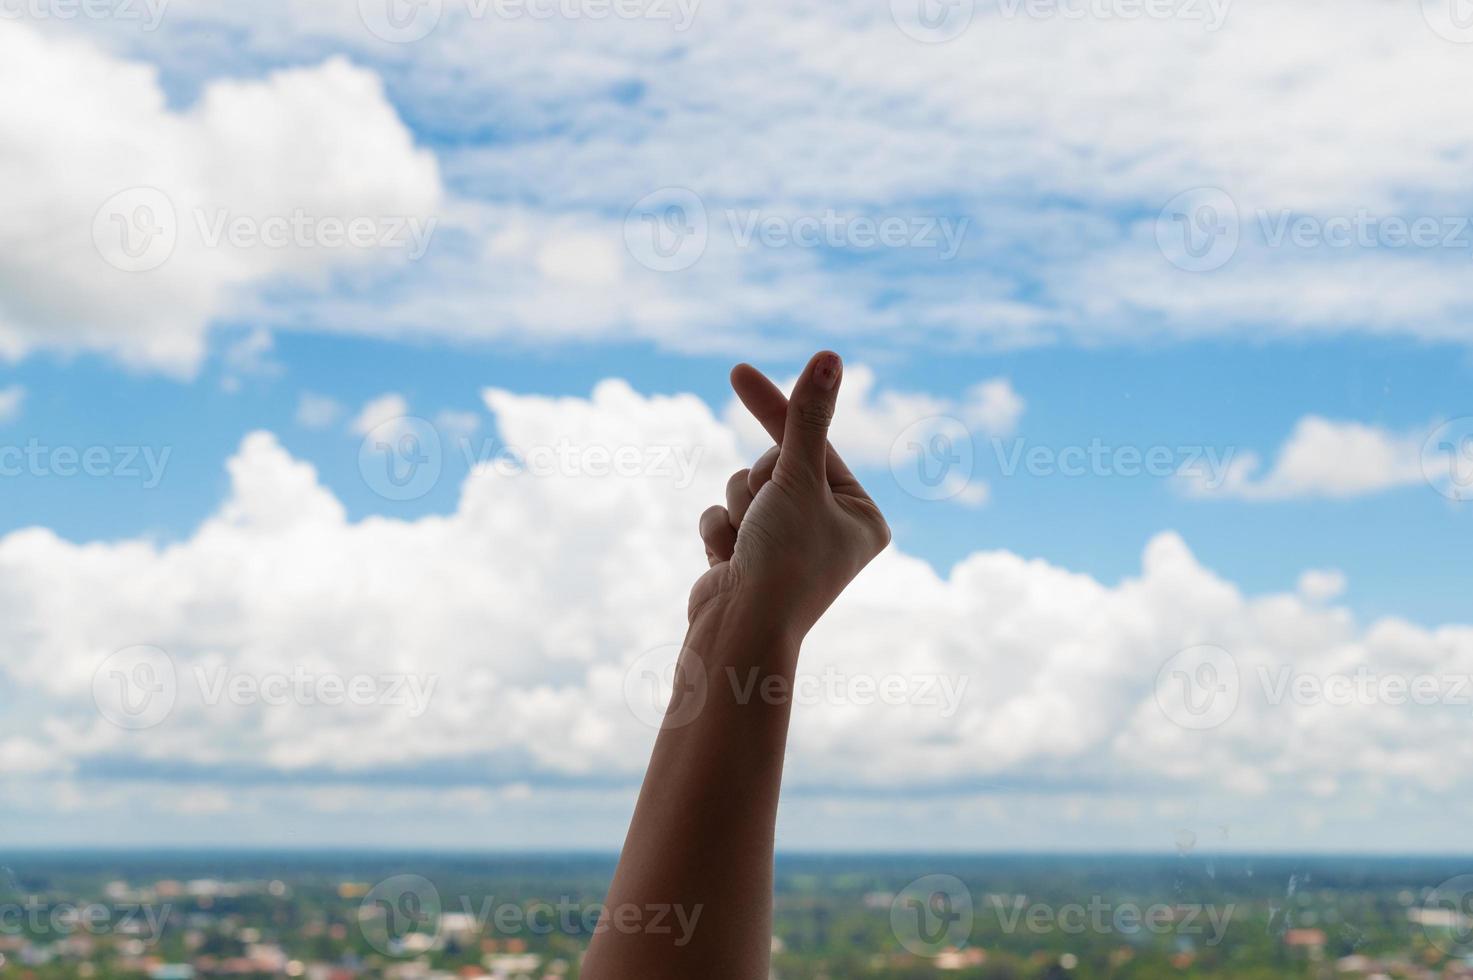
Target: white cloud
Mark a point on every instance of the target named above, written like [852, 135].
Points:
[1322, 584]
[1322, 458]
[533, 248]
[316, 411]
[250, 356]
[993, 407]
[530, 602]
[11, 399]
[105, 156]
[375, 412]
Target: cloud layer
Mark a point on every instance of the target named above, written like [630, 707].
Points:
[517, 627]
[1026, 166]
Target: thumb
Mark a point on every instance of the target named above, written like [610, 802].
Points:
[810, 410]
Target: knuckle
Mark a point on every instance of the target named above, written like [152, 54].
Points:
[816, 416]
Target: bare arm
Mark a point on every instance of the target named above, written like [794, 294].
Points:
[795, 531]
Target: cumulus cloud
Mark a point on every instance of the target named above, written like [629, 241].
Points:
[514, 624]
[131, 226]
[1321, 458]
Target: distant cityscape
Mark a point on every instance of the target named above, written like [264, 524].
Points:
[177, 916]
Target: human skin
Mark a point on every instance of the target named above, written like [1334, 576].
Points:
[794, 532]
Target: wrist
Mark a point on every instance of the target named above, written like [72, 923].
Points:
[741, 625]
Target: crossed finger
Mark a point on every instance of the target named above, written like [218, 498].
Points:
[769, 405]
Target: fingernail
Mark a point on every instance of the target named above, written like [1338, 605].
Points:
[826, 371]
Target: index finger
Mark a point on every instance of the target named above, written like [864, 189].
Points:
[763, 399]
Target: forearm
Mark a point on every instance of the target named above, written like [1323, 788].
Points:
[701, 842]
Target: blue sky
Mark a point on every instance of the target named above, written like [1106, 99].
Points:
[1036, 178]
[1393, 546]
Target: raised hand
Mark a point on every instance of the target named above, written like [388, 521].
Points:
[797, 527]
